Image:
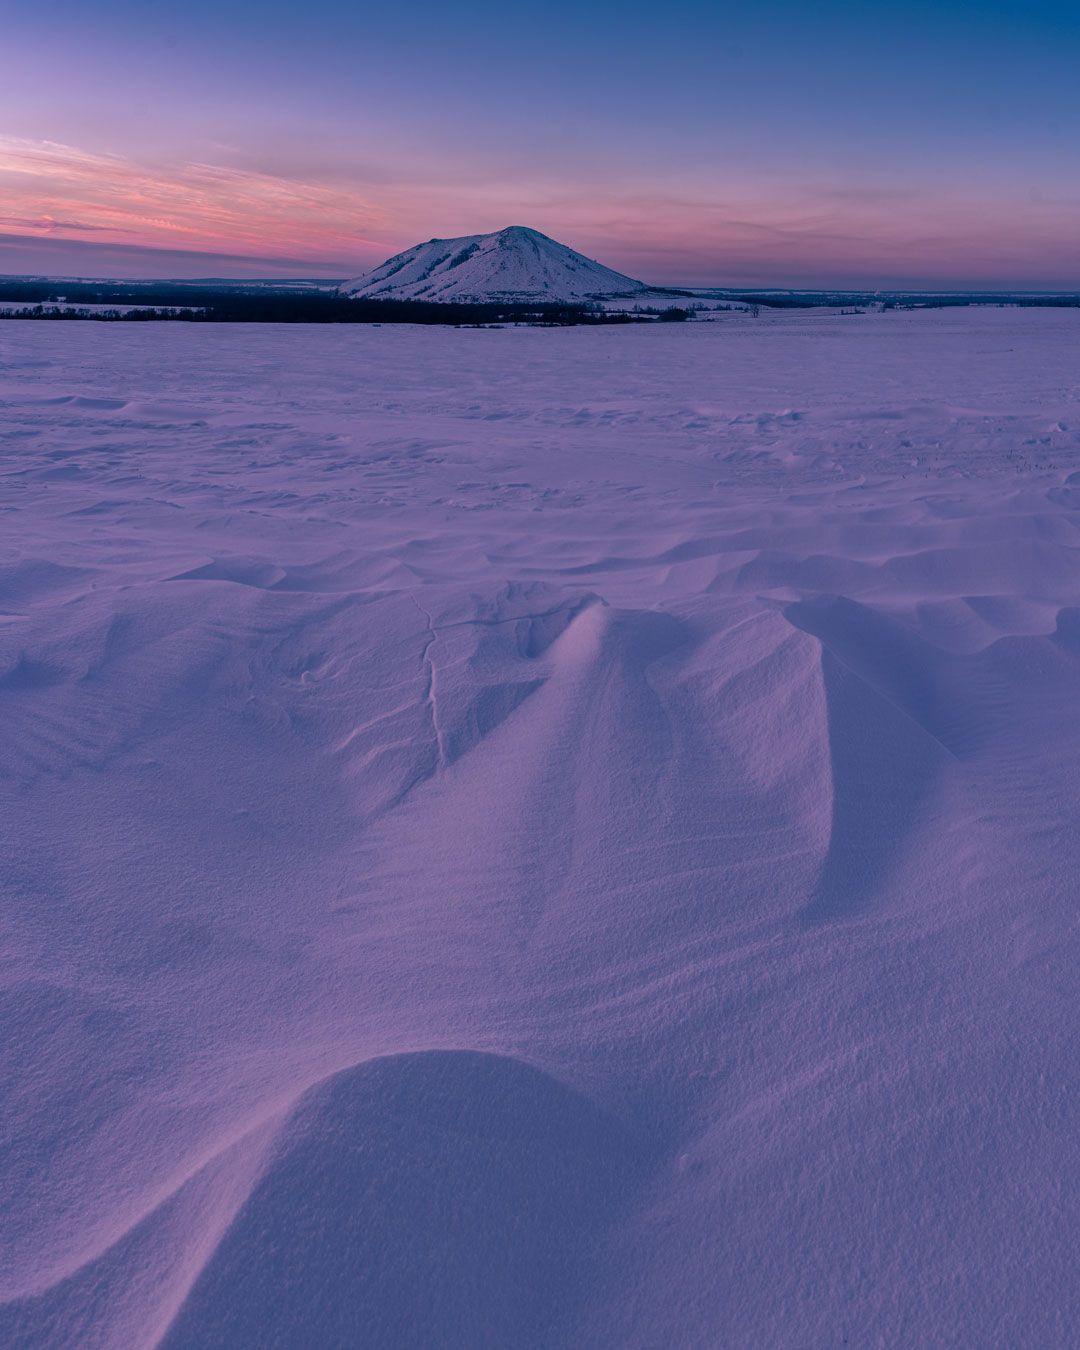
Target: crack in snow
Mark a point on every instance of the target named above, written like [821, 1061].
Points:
[427, 665]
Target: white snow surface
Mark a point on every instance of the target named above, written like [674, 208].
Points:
[541, 838]
[515, 264]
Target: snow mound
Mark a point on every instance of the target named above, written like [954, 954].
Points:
[511, 1178]
[512, 264]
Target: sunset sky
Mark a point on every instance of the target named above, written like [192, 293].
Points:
[783, 142]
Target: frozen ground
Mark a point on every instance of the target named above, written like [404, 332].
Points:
[522, 837]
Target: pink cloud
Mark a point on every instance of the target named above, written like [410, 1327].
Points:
[53, 189]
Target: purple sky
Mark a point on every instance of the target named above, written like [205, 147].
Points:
[862, 144]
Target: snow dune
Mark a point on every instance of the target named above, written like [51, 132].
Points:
[541, 838]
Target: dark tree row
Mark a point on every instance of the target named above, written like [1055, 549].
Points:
[192, 305]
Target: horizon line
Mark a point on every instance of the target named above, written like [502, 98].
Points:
[673, 287]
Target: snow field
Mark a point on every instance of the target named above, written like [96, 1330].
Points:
[541, 837]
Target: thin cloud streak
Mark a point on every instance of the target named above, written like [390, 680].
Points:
[23, 255]
[53, 188]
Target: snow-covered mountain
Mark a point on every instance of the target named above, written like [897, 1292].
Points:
[512, 264]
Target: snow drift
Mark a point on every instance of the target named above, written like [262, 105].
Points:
[541, 838]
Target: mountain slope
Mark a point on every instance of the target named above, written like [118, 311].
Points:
[513, 264]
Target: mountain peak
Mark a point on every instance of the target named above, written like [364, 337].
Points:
[516, 263]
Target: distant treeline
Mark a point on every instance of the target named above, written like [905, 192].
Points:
[189, 304]
[267, 302]
[898, 300]
[951, 302]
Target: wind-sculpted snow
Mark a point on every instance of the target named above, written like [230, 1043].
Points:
[541, 838]
[510, 1179]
